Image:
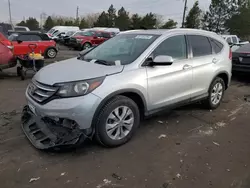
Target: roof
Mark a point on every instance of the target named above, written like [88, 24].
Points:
[167, 31]
[25, 32]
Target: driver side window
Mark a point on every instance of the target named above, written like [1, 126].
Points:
[174, 46]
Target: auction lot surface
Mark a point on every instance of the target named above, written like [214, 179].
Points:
[186, 148]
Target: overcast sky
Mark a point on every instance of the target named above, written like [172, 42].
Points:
[25, 8]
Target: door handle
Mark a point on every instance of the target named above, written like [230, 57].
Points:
[185, 67]
[215, 60]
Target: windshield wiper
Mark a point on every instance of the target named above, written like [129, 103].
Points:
[103, 62]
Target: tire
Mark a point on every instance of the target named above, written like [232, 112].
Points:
[214, 98]
[115, 137]
[86, 46]
[51, 53]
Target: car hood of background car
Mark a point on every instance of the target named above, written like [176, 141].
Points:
[74, 70]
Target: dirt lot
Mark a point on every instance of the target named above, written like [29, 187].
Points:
[186, 148]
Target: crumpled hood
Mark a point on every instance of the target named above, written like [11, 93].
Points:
[73, 70]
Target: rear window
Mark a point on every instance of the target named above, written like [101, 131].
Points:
[234, 40]
[200, 45]
[13, 37]
[216, 45]
[106, 35]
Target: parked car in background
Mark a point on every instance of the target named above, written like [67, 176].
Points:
[64, 39]
[234, 41]
[21, 28]
[7, 59]
[86, 39]
[45, 45]
[107, 29]
[5, 27]
[241, 59]
[55, 31]
[111, 87]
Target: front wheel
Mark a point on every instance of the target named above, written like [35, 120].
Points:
[86, 46]
[216, 93]
[117, 122]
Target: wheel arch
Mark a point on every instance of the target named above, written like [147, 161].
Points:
[133, 94]
[224, 76]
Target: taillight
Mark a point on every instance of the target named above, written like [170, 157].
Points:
[230, 54]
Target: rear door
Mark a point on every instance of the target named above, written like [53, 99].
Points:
[203, 61]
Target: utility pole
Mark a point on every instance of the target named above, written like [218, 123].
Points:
[77, 12]
[184, 14]
[10, 12]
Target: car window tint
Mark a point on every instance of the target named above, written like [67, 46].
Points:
[29, 38]
[216, 45]
[200, 45]
[99, 34]
[229, 40]
[174, 47]
[106, 35]
[234, 40]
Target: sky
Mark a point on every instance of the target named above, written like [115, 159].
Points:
[24, 8]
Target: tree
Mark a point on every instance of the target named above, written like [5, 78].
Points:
[148, 21]
[136, 21]
[83, 24]
[122, 20]
[159, 20]
[219, 12]
[193, 18]
[239, 24]
[48, 24]
[22, 23]
[91, 19]
[170, 24]
[32, 23]
[111, 16]
[103, 20]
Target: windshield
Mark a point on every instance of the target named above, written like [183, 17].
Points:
[69, 33]
[122, 49]
[51, 31]
[13, 37]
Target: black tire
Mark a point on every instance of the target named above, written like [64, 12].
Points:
[101, 134]
[208, 102]
[86, 46]
[18, 71]
[51, 53]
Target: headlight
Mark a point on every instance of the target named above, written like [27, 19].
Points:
[79, 40]
[79, 88]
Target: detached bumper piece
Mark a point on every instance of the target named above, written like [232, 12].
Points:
[45, 133]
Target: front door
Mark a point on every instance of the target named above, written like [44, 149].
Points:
[173, 83]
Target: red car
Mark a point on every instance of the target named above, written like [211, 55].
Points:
[45, 45]
[7, 60]
[86, 39]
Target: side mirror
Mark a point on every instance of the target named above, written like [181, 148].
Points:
[161, 60]
[19, 41]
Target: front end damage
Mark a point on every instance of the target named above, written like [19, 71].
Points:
[46, 132]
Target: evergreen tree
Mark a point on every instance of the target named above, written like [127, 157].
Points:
[32, 24]
[48, 24]
[170, 24]
[193, 18]
[103, 20]
[148, 21]
[122, 21]
[111, 16]
[22, 23]
[136, 21]
[83, 24]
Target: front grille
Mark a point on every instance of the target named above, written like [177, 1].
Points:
[41, 92]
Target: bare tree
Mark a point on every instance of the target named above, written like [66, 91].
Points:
[91, 18]
[159, 20]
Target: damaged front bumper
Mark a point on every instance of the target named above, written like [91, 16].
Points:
[45, 133]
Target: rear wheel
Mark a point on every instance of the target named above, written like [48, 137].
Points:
[117, 122]
[51, 53]
[216, 93]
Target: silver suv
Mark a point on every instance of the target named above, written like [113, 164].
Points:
[105, 91]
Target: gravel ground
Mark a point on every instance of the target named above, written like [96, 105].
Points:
[184, 148]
